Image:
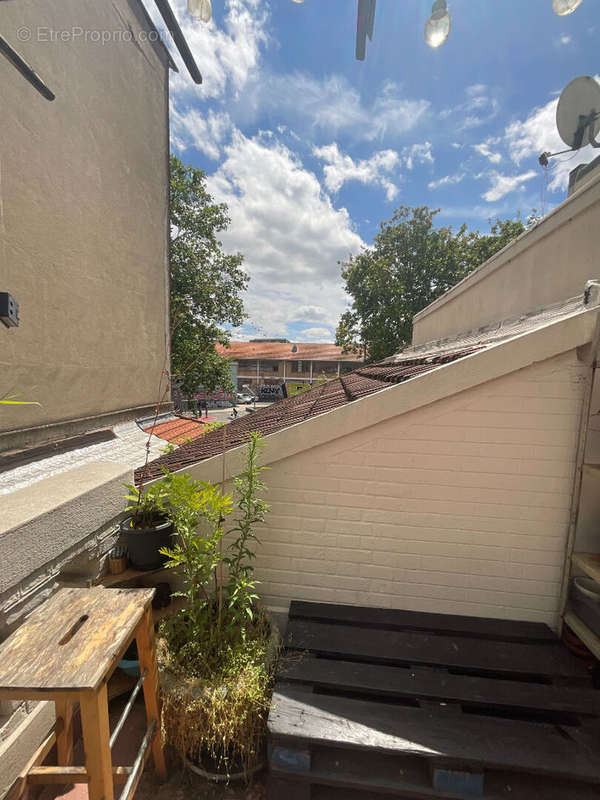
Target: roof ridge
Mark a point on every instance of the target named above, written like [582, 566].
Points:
[346, 388]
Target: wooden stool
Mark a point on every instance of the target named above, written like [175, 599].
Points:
[66, 651]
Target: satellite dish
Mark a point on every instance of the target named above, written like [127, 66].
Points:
[578, 112]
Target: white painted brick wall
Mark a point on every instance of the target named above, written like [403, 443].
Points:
[459, 507]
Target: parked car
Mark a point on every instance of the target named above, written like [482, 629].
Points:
[244, 398]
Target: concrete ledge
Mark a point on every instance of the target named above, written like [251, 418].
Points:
[44, 520]
[21, 438]
[22, 741]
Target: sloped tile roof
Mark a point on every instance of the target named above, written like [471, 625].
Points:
[284, 351]
[325, 397]
[178, 430]
[409, 363]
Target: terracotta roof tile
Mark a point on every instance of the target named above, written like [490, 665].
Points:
[178, 430]
[325, 397]
[283, 351]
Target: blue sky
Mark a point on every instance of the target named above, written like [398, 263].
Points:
[311, 149]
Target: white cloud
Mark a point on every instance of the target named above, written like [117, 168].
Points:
[447, 180]
[341, 168]
[333, 106]
[538, 134]
[317, 334]
[314, 313]
[485, 150]
[475, 90]
[193, 128]
[504, 184]
[289, 231]
[418, 154]
[226, 57]
[564, 40]
[479, 108]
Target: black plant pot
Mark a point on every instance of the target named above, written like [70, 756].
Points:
[143, 544]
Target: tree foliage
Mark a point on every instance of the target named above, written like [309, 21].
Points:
[206, 283]
[410, 264]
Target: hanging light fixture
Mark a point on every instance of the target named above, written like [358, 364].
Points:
[437, 27]
[564, 7]
[201, 9]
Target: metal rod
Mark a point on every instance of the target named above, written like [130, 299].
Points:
[138, 764]
[179, 39]
[127, 709]
[25, 70]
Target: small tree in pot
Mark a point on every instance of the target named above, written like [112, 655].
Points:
[147, 528]
[217, 654]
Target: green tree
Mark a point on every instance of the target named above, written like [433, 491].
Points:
[410, 263]
[206, 283]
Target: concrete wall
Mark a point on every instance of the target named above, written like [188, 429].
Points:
[52, 533]
[547, 264]
[83, 210]
[461, 506]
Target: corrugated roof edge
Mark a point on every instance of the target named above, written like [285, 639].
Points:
[499, 330]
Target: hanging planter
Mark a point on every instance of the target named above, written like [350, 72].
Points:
[144, 544]
[148, 528]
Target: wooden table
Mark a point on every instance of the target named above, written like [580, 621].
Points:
[66, 652]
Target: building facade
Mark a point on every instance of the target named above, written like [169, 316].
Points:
[85, 196]
[264, 365]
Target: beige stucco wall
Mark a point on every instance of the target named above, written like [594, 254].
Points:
[83, 211]
[461, 506]
[547, 264]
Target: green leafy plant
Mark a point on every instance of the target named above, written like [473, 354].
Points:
[12, 400]
[147, 507]
[241, 587]
[213, 426]
[206, 284]
[410, 263]
[198, 511]
[216, 674]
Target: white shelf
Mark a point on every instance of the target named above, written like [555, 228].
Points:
[587, 636]
[588, 563]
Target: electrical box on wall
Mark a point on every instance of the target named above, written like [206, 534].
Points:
[9, 310]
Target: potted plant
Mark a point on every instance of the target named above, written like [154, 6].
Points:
[147, 528]
[216, 656]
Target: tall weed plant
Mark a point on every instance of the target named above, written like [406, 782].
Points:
[215, 650]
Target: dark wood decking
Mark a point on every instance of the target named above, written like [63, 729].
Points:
[374, 703]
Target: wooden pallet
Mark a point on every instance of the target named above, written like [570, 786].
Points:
[375, 703]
